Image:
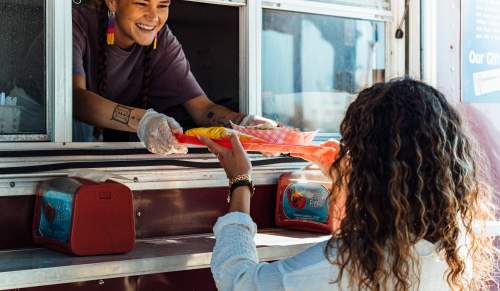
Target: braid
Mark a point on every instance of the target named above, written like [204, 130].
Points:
[102, 57]
[146, 77]
[101, 67]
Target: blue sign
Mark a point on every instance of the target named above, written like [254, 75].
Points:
[480, 51]
[56, 215]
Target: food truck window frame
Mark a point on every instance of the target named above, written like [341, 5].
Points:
[59, 60]
[395, 48]
[60, 73]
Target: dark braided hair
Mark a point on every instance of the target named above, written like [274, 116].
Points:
[143, 102]
[101, 67]
[146, 76]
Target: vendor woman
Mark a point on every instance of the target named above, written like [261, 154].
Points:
[128, 68]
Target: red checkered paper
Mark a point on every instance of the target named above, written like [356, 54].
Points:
[270, 140]
[278, 135]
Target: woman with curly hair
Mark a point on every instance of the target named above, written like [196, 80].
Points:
[414, 204]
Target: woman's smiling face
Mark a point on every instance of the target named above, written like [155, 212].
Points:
[138, 21]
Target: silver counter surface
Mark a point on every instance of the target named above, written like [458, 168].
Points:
[37, 267]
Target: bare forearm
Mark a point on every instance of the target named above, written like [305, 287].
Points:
[96, 110]
[240, 200]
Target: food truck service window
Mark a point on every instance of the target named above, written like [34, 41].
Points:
[297, 61]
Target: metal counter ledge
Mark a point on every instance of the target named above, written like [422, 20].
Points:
[22, 268]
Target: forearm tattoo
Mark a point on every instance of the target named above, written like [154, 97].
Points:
[122, 114]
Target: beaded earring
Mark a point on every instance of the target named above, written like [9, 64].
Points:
[155, 41]
[111, 28]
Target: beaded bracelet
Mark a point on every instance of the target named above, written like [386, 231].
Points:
[239, 178]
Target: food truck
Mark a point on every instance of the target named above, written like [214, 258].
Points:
[299, 62]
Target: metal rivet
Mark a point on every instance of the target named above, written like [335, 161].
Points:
[452, 47]
[138, 213]
[63, 143]
[100, 282]
[12, 184]
[136, 179]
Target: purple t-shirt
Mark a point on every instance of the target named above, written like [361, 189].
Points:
[172, 82]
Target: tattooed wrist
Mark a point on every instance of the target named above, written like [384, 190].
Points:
[135, 118]
[221, 116]
[122, 114]
[239, 118]
[217, 120]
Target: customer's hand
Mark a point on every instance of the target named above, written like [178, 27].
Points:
[234, 161]
[157, 132]
[323, 157]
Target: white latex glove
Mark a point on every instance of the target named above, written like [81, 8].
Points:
[254, 120]
[157, 131]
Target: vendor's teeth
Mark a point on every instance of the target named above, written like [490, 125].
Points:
[145, 26]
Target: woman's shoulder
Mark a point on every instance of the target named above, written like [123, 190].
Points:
[311, 269]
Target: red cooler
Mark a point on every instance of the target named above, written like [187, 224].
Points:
[83, 217]
[302, 204]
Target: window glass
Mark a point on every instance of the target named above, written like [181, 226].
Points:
[22, 70]
[313, 65]
[377, 4]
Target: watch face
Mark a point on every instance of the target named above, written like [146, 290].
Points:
[306, 201]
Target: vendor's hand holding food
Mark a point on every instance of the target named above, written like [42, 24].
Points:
[157, 132]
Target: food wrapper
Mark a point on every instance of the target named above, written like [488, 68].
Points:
[269, 140]
[277, 135]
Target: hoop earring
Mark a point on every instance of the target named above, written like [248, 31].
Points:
[110, 37]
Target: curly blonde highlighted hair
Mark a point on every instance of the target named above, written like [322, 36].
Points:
[409, 173]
